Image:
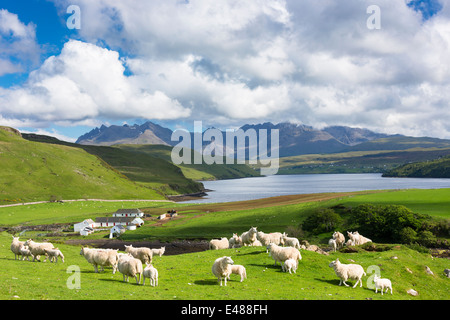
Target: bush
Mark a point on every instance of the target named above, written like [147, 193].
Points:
[322, 220]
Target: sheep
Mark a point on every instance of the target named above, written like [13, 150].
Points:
[267, 238]
[151, 273]
[249, 236]
[129, 266]
[339, 238]
[26, 253]
[357, 239]
[216, 244]
[37, 248]
[290, 242]
[382, 284]
[16, 245]
[53, 254]
[159, 251]
[101, 257]
[144, 254]
[222, 268]
[289, 265]
[239, 270]
[347, 271]
[235, 241]
[332, 244]
[281, 254]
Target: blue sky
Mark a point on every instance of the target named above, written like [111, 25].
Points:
[226, 63]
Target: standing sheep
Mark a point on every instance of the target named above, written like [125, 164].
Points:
[26, 253]
[235, 241]
[281, 254]
[16, 245]
[37, 248]
[339, 238]
[142, 253]
[290, 242]
[382, 284]
[249, 236]
[101, 257]
[130, 267]
[347, 271]
[216, 244]
[151, 273]
[53, 254]
[239, 270]
[332, 244]
[289, 265]
[222, 268]
[159, 251]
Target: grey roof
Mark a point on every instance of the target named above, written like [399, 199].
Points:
[114, 219]
[128, 211]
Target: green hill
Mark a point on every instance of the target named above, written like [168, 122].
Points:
[33, 171]
[439, 168]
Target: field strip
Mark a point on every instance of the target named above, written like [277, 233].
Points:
[76, 200]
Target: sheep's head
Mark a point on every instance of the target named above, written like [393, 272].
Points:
[333, 263]
[375, 278]
[228, 260]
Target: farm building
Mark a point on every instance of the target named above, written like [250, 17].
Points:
[86, 231]
[116, 231]
[128, 213]
[113, 221]
[81, 225]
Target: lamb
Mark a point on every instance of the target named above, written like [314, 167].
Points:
[235, 241]
[339, 238]
[101, 257]
[16, 245]
[249, 236]
[290, 242]
[382, 284]
[282, 254]
[347, 271]
[362, 239]
[26, 253]
[129, 266]
[144, 254]
[37, 248]
[159, 251]
[222, 268]
[357, 239]
[216, 244]
[53, 253]
[239, 270]
[289, 265]
[151, 273]
[332, 244]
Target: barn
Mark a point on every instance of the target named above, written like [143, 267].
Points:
[128, 213]
[81, 225]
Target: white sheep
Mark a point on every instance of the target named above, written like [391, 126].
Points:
[381, 283]
[281, 254]
[101, 257]
[26, 253]
[248, 237]
[53, 254]
[216, 244]
[347, 271]
[222, 268]
[151, 273]
[159, 251]
[268, 238]
[357, 239]
[16, 245]
[235, 241]
[290, 241]
[37, 248]
[289, 265]
[339, 238]
[239, 270]
[129, 266]
[142, 253]
[332, 244]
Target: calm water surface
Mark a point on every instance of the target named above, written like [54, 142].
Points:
[278, 185]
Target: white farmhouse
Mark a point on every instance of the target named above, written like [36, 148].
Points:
[128, 213]
[116, 221]
[81, 225]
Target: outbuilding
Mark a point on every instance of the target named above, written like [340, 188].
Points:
[81, 225]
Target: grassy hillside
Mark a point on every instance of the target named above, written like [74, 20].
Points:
[439, 168]
[32, 171]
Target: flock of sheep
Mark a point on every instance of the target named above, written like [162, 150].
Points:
[286, 251]
[283, 249]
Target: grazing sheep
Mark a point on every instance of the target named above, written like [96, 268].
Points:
[216, 244]
[130, 267]
[53, 253]
[16, 245]
[332, 244]
[281, 254]
[142, 253]
[239, 270]
[347, 271]
[268, 238]
[357, 239]
[26, 253]
[151, 273]
[339, 238]
[382, 284]
[290, 242]
[37, 248]
[249, 236]
[289, 265]
[235, 241]
[101, 257]
[159, 251]
[222, 268]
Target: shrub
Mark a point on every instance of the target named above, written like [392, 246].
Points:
[322, 220]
